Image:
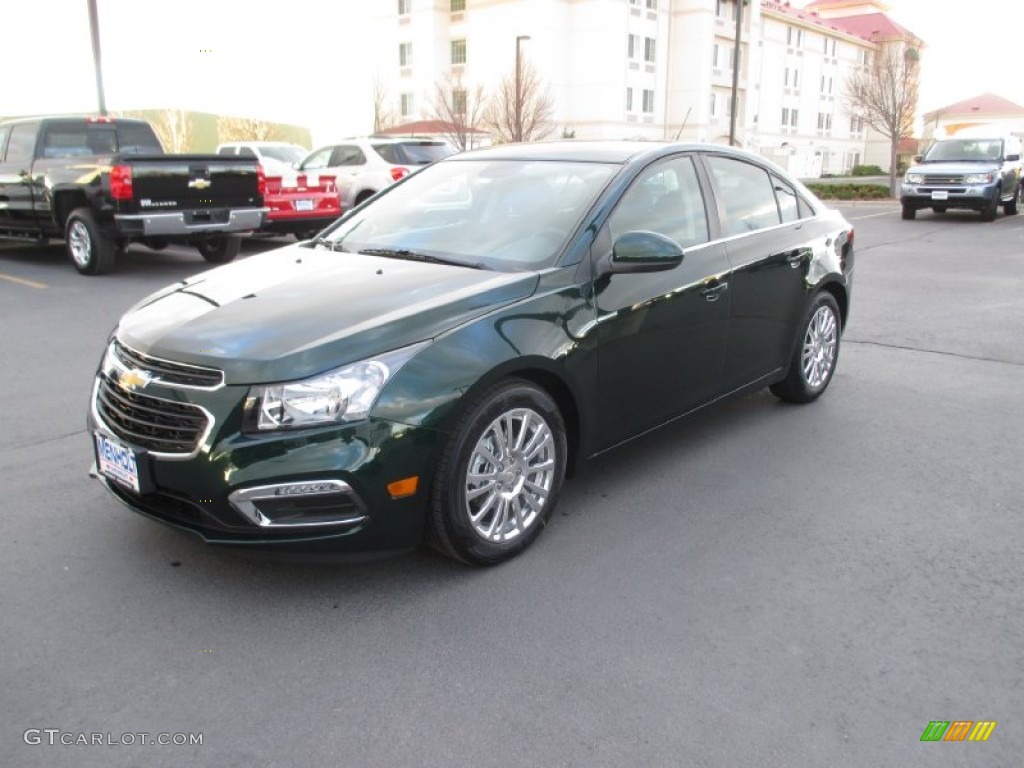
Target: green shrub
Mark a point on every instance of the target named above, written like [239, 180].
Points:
[867, 170]
[850, 191]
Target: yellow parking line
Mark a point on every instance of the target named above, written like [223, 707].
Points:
[22, 281]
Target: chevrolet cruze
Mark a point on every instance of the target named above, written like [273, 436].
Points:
[436, 363]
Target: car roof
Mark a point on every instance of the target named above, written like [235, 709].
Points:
[612, 151]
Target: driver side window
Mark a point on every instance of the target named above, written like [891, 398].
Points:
[665, 198]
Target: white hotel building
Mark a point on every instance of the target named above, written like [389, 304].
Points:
[654, 69]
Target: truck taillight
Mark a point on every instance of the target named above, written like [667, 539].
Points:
[121, 182]
[398, 172]
[261, 181]
[99, 119]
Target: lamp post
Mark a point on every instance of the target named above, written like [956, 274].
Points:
[94, 26]
[736, 72]
[517, 133]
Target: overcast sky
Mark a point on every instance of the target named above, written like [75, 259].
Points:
[291, 61]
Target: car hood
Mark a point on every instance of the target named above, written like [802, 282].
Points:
[296, 311]
[955, 168]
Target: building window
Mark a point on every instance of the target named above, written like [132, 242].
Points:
[406, 104]
[714, 57]
[649, 49]
[459, 101]
[824, 122]
[652, 4]
[794, 37]
[713, 107]
[793, 117]
[789, 117]
[856, 125]
[405, 55]
[648, 106]
[631, 46]
[458, 51]
[792, 77]
[458, 5]
[634, 2]
[629, 99]
[404, 7]
[830, 47]
[721, 8]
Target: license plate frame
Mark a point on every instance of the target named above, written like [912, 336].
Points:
[120, 463]
[940, 194]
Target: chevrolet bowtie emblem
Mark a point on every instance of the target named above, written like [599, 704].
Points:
[133, 379]
[199, 183]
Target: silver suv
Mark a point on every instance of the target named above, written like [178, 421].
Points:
[364, 166]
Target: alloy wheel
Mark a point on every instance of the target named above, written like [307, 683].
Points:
[819, 352]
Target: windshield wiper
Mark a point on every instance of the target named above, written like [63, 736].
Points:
[405, 253]
[326, 242]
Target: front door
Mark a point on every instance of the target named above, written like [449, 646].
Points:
[16, 214]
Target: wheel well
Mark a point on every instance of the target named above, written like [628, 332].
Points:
[64, 203]
[365, 194]
[563, 397]
[840, 296]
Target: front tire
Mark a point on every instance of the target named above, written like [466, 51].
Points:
[91, 251]
[817, 351]
[1011, 208]
[989, 212]
[219, 250]
[909, 212]
[500, 475]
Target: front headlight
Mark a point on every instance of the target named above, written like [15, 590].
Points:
[342, 395]
[978, 178]
[915, 178]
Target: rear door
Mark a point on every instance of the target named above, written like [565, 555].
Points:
[662, 335]
[16, 211]
[770, 249]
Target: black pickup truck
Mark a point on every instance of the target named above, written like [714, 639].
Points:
[100, 183]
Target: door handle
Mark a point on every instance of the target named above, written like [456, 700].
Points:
[713, 291]
[795, 259]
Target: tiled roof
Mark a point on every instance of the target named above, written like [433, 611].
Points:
[876, 27]
[985, 104]
[783, 8]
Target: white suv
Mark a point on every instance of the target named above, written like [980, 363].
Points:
[364, 166]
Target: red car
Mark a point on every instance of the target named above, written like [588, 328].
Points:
[300, 203]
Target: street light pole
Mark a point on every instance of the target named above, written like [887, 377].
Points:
[94, 26]
[736, 72]
[517, 133]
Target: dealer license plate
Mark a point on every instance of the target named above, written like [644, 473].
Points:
[940, 194]
[303, 205]
[117, 462]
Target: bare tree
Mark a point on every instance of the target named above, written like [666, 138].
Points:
[383, 115]
[885, 95]
[174, 129]
[246, 129]
[459, 110]
[522, 108]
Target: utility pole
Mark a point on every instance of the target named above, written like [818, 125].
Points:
[736, 72]
[518, 133]
[94, 26]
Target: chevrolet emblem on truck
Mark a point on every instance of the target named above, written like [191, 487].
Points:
[133, 379]
[199, 183]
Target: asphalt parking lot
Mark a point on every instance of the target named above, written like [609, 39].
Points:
[762, 585]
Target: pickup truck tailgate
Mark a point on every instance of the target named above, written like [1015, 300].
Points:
[175, 182]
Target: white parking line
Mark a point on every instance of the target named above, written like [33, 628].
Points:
[873, 215]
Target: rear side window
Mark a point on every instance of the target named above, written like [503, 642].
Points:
[389, 153]
[226, 151]
[318, 159]
[21, 144]
[785, 196]
[246, 152]
[78, 140]
[137, 139]
[746, 194]
[348, 155]
[424, 152]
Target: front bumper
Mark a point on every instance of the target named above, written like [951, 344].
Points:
[974, 197]
[186, 223]
[322, 489]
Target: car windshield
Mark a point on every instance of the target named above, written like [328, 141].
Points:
[507, 215]
[966, 150]
[290, 154]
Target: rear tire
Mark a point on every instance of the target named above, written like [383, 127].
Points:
[816, 353]
[909, 212]
[91, 251]
[988, 213]
[219, 250]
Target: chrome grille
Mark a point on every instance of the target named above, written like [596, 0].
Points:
[930, 178]
[166, 372]
[159, 425]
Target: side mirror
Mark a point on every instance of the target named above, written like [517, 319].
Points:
[918, 158]
[1012, 158]
[641, 251]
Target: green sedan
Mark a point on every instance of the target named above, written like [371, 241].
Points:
[434, 364]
